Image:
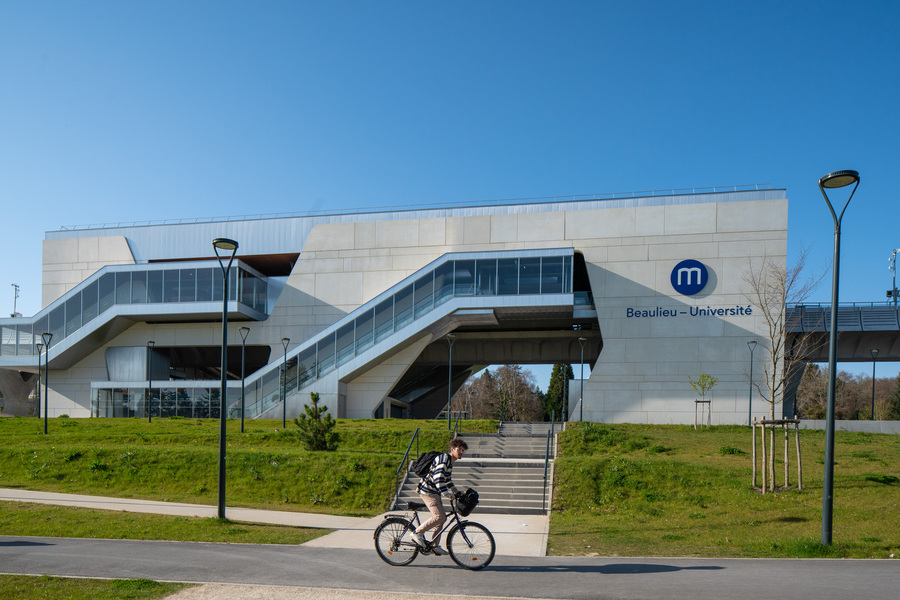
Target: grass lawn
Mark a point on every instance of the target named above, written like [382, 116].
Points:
[24, 587]
[630, 490]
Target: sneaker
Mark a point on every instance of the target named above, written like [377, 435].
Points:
[420, 540]
[438, 550]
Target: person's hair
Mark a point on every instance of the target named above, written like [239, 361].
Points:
[458, 443]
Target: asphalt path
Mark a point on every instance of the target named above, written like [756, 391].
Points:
[508, 576]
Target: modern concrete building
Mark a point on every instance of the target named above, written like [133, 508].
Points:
[647, 288]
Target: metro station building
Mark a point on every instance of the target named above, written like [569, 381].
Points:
[379, 311]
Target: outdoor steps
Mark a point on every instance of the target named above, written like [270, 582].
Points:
[507, 470]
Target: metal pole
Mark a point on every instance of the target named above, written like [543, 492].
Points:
[245, 331]
[874, 353]
[752, 345]
[150, 345]
[40, 349]
[450, 338]
[581, 341]
[284, 342]
[833, 180]
[223, 244]
[46, 337]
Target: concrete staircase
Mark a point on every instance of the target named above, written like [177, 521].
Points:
[505, 468]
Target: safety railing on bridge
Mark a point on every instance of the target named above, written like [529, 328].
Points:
[851, 317]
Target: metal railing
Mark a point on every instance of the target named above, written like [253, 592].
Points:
[403, 470]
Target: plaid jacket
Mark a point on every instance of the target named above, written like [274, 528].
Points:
[439, 480]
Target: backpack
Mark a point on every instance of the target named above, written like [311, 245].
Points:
[422, 465]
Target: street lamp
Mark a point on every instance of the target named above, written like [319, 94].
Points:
[451, 337]
[150, 345]
[46, 337]
[581, 341]
[245, 331]
[874, 353]
[838, 179]
[752, 345]
[284, 342]
[40, 349]
[225, 245]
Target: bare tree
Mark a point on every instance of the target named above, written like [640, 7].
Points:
[771, 288]
[509, 393]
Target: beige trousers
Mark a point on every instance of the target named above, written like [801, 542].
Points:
[438, 516]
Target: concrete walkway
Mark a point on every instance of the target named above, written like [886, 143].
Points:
[515, 535]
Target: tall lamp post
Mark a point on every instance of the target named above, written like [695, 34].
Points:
[874, 353]
[838, 179]
[581, 341]
[40, 349]
[752, 345]
[150, 345]
[245, 331]
[284, 342]
[46, 337]
[224, 245]
[451, 337]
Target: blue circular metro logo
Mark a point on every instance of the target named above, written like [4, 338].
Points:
[689, 277]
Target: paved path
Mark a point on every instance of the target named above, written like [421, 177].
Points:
[515, 535]
[355, 574]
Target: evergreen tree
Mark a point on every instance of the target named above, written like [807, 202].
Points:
[553, 401]
[317, 426]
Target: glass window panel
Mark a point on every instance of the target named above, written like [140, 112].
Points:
[443, 283]
[306, 362]
[464, 277]
[188, 291]
[384, 319]
[217, 284]
[123, 288]
[89, 302]
[170, 286]
[214, 403]
[154, 286]
[567, 274]
[365, 331]
[138, 287]
[107, 291]
[73, 314]
[233, 283]
[201, 403]
[204, 285]
[26, 340]
[40, 327]
[261, 295]
[7, 341]
[248, 285]
[270, 383]
[552, 275]
[325, 355]
[344, 343]
[291, 378]
[58, 324]
[185, 402]
[507, 276]
[403, 307]
[486, 277]
[423, 295]
[529, 276]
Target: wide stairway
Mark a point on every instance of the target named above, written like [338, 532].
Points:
[505, 468]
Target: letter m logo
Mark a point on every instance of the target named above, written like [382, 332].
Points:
[689, 277]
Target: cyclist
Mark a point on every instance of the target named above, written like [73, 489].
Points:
[438, 482]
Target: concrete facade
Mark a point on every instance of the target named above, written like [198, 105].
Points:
[653, 337]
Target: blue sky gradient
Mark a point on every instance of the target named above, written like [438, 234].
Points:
[113, 111]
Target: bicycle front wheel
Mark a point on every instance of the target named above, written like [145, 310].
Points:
[394, 542]
[471, 546]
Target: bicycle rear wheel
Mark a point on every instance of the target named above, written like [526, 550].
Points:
[471, 546]
[394, 542]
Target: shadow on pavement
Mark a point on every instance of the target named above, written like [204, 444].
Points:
[25, 543]
[616, 569]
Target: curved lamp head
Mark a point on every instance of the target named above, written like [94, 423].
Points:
[752, 345]
[150, 344]
[245, 331]
[285, 342]
[839, 179]
[225, 244]
[47, 337]
[874, 352]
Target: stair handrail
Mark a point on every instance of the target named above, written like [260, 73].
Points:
[399, 479]
[546, 465]
[456, 424]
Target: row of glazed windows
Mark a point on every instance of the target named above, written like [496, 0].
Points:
[132, 287]
[454, 278]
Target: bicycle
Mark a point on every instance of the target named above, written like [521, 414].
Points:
[470, 544]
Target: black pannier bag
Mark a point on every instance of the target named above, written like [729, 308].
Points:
[467, 502]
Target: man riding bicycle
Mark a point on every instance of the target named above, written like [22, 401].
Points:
[438, 482]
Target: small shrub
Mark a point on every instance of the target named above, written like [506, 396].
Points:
[63, 416]
[725, 450]
[98, 465]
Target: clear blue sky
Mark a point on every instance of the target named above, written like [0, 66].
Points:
[127, 111]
